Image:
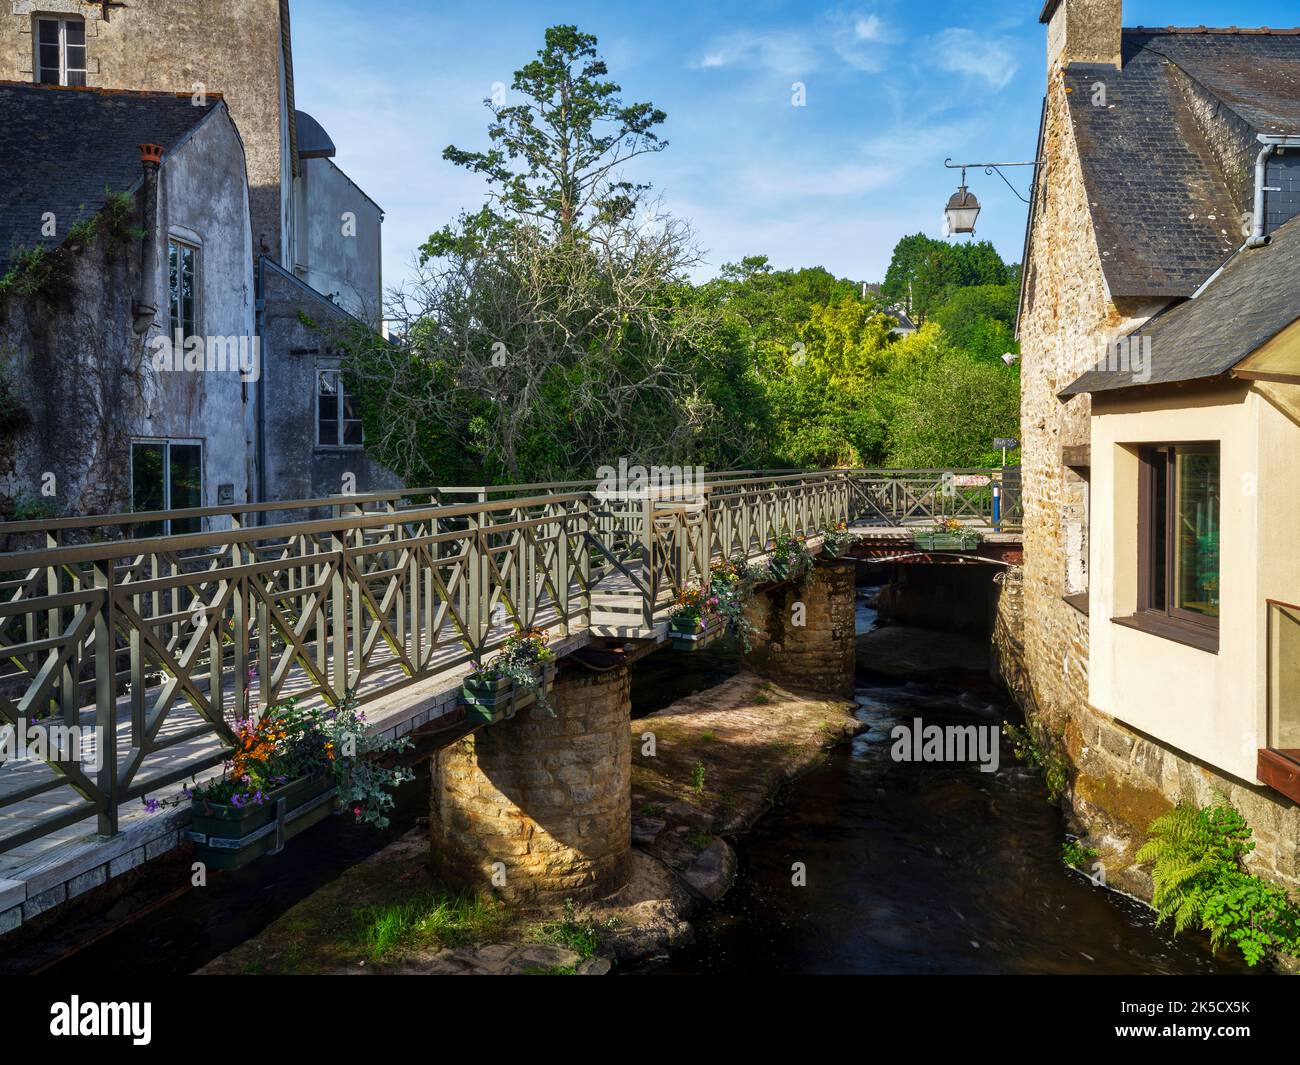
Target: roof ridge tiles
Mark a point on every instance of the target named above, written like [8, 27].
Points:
[1226, 30]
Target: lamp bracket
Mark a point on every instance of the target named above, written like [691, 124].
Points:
[994, 168]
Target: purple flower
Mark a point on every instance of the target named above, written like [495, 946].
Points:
[152, 805]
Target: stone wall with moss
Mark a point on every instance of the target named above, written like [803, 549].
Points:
[802, 633]
[537, 809]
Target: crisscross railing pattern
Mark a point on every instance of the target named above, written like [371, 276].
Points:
[149, 650]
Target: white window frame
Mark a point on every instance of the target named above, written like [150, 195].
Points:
[336, 370]
[167, 442]
[173, 309]
[38, 67]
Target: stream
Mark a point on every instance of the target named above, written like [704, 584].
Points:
[923, 867]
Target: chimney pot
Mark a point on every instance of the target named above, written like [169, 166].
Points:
[151, 154]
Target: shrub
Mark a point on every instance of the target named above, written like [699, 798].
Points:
[1201, 881]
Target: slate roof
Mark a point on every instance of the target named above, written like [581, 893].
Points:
[60, 148]
[1253, 300]
[1163, 208]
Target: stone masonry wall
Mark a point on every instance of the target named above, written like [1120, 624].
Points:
[1120, 780]
[550, 798]
[818, 655]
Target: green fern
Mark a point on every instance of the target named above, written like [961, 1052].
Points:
[1200, 882]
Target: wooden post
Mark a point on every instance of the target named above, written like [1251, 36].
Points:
[106, 697]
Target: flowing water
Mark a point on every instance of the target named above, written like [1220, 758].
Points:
[923, 867]
[910, 867]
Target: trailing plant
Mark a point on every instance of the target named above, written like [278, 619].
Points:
[1200, 880]
[522, 660]
[732, 585]
[835, 537]
[288, 743]
[1041, 753]
[42, 268]
[27, 506]
[789, 555]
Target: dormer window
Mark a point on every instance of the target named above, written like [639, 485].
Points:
[61, 51]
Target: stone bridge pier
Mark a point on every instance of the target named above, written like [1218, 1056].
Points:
[803, 633]
[539, 809]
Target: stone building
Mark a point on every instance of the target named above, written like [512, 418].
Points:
[98, 419]
[1164, 170]
[303, 215]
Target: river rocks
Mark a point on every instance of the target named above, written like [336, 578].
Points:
[713, 871]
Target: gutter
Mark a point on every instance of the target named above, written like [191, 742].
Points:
[260, 327]
[1270, 143]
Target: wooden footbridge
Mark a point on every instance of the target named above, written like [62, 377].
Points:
[152, 646]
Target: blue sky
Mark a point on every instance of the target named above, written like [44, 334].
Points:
[892, 88]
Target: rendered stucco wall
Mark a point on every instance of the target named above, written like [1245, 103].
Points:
[338, 250]
[203, 199]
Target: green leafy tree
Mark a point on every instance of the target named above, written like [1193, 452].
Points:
[947, 409]
[556, 155]
[981, 319]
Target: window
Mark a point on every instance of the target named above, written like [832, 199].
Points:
[1284, 677]
[166, 475]
[1178, 538]
[182, 274]
[338, 414]
[61, 51]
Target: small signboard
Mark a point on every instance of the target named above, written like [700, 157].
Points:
[1010, 443]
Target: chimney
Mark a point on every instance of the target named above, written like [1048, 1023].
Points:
[1083, 31]
[146, 307]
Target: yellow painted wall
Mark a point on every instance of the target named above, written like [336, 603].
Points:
[1211, 706]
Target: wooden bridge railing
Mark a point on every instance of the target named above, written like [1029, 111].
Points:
[149, 649]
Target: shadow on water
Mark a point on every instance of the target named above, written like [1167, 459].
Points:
[923, 867]
[911, 867]
[199, 924]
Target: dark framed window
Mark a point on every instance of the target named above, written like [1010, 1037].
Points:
[1178, 536]
[182, 287]
[166, 475]
[338, 413]
[61, 51]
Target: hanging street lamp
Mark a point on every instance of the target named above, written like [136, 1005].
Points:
[963, 208]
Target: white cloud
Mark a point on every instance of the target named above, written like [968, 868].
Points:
[859, 38]
[990, 59]
[784, 52]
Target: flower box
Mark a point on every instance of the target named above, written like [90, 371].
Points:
[692, 639]
[229, 837]
[946, 541]
[490, 701]
[686, 624]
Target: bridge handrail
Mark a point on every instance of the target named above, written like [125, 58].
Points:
[162, 640]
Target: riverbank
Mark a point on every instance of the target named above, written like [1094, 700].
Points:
[704, 768]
